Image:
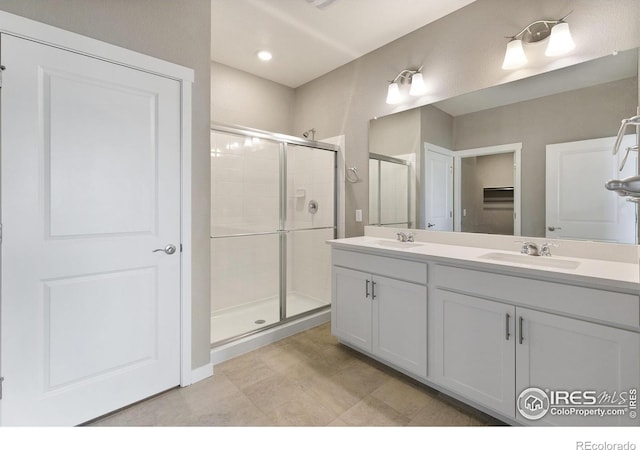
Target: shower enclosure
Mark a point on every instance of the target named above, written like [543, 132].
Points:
[273, 206]
[389, 191]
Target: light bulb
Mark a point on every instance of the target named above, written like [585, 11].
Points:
[560, 41]
[514, 57]
[265, 55]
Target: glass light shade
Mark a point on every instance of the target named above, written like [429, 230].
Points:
[393, 94]
[418, 87]
[560, 41]
[514, 56]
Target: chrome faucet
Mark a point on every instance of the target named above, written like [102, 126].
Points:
[403, 237]
[530, 248]
[545, 249]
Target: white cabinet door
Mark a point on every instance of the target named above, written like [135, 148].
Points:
[90, 187]
[351, 307]
[400, 323]
[473, 348]
[558, 353]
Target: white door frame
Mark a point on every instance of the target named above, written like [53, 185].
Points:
[56, 37]
[516, 149]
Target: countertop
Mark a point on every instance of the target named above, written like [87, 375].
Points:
[594, 273]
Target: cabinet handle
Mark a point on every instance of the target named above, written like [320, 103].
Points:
[508, 335]
[366, 289]
[373, 290]
[521, 338]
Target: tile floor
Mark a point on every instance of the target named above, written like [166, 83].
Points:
[305, 380]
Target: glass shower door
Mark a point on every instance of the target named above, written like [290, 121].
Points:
[245, 236]
[389, 188]
[310, 222]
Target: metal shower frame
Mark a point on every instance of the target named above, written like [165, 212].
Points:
[284, 141]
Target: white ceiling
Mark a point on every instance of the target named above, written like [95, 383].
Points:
[307, 41]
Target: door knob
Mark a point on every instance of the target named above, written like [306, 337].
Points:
[429, 225]
[553, 228]
[169, 249]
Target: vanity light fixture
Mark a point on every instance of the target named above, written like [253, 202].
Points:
[417, 88]
[560, 41]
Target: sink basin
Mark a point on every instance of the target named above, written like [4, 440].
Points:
[541, 261]
[398, 244]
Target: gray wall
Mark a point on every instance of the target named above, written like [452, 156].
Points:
[436, 127]
[239, 98]
[174, 30]
[587, 113]
[398, 134]
[460, 54]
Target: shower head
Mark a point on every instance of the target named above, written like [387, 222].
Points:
[311, 132]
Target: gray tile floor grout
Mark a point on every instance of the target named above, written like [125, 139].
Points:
[308, 379]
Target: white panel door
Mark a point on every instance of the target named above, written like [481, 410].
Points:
[438, 184]
[90, 187]
[577, 204]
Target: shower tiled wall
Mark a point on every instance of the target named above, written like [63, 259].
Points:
[244, 270]
[309, 177]
[309, 264]
[245, 185]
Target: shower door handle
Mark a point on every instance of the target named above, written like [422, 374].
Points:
[169, 249]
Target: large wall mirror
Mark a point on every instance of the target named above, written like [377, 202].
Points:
[528, 157]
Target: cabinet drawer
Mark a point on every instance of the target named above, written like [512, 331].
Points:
[399, 269]
[607, 306]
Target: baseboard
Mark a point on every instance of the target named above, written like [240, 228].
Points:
[201, 373]
[253, 342]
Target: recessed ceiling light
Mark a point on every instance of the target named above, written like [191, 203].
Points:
[265, 55]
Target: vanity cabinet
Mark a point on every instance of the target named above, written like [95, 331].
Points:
[484, 336]
[380, 309]
[489, 351]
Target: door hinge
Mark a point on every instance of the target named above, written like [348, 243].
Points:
[1, 69]
[180, 245]
[0, 233]
[1, 380]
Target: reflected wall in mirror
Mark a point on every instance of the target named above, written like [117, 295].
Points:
[487, 194]
[580, 104]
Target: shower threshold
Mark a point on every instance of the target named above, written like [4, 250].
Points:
[239, 321]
